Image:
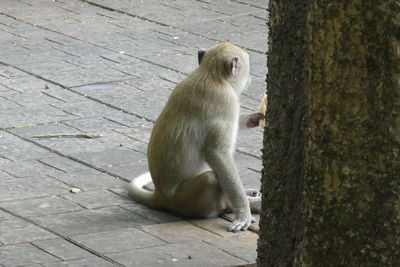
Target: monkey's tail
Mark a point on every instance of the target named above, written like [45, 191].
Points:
[141, 195]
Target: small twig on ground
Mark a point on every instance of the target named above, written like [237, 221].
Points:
[86, 136]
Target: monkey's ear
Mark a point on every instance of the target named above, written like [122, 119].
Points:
[200, 54]
[235, 66]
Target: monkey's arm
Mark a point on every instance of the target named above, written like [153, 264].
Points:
[228, 177]
[250, 120]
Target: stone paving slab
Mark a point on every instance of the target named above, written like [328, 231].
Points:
[5, 216]
[91, 221]
[28, 169]
[106, 68]
[92, 261]
[23, 254]
[13, 189]
[64, 164]
[194, 253]
[172, 232]
[120, 240]
[243, 246]
[87, 180]
[154, 215]
[18, 231]
[40, 206]
[97, 199]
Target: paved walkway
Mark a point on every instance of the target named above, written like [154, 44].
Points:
[81, 83]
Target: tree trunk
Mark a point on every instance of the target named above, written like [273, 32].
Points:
[331, 187]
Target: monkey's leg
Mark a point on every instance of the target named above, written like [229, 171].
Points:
[254, 197]
[200, 196]
[255, 204]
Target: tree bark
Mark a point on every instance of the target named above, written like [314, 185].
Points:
[331, 177]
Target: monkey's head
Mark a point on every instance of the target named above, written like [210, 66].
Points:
[226, 62]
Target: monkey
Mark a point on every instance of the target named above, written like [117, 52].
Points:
[191, 147]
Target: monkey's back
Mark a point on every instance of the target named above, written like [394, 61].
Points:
[177, 142]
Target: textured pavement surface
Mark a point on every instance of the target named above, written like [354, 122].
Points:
[81, 84]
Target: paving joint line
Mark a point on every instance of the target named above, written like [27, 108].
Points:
[227, 252]
[254, 170]
[130, 137]
[50, 166]
[111, 106]
[45, 251]
[54, 97]
[69, 113]
[66, 238]
[248, 4]
[248, 154]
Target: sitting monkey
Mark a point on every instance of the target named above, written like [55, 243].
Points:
[191, 147]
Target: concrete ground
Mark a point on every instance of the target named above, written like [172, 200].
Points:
[81, 83]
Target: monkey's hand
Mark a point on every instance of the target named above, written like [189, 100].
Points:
[242, 222]
[253, 119]
[221, 161]
[250, 120]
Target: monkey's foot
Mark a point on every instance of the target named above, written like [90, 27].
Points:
[253, 193]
